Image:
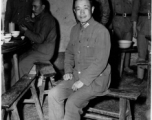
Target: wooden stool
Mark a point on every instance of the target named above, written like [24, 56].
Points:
[11, 97]
[124, 106]
[123, 54]
[45, 71]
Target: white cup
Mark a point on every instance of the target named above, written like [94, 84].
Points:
[11, 27]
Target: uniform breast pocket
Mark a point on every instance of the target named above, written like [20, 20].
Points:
[88, 51]
[117, 7]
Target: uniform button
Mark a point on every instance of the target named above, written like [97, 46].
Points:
[88, 46]
[18, 13]
[79, 52]
[79, 72]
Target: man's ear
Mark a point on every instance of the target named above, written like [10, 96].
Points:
[43, 6]
[74, 10]
[92, 9]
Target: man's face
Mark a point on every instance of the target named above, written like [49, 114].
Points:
[83, 10]
[37, 7]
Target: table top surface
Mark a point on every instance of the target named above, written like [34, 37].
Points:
[13, 45]
[131, 49]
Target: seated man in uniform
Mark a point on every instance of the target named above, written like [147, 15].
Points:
[87, 72]
[43, 38]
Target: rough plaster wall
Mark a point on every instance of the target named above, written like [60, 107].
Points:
[62, 11]
[3, 9]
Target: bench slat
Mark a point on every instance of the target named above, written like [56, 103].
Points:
[9, 97]
[96, 116]
[45, 67]
[104, 112]
[120, 93]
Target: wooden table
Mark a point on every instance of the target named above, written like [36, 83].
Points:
[12, 47]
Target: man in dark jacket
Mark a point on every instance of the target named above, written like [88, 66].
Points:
[87, 72]
[102, 11]
[43, 38]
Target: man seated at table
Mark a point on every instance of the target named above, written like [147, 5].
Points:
[43, 38]
[87, 72]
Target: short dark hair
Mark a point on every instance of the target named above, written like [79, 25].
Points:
[46, 3]
[91, 3]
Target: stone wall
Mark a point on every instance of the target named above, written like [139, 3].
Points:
[62, 11]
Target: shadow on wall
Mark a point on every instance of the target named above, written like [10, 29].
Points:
[58, 58]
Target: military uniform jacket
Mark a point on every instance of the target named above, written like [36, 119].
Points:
[87, 53]
[119, 22]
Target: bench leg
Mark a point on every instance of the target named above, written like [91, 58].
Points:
[37, 102]
[3, 114]
[129, 115]
[122, 108]
[42, 88]
[15, 112]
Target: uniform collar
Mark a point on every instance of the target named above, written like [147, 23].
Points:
[90, 22]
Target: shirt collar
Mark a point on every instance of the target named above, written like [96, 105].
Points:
[40, 15]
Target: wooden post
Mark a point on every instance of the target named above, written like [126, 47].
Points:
[122, 106]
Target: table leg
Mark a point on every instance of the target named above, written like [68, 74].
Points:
[2, 73]
[122, 62]
[16, 67]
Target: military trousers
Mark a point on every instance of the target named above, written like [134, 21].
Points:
[142, 45]
[75, 101]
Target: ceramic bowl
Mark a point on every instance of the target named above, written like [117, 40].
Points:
[125, 43]
[15, 33]
[6, 40]
[7, 37]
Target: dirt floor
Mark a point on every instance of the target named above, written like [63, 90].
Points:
[140, 107]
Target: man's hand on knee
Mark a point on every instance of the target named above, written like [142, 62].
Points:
[77, 85]
[68, 76]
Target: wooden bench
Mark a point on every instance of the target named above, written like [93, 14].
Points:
[11, 97]
[44, 71]
[124, 106]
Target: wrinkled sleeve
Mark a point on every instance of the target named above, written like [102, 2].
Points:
[102, 51]
[8, 14]
[69, 55]
[105, 11]
[135, 10]
[47, 25]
